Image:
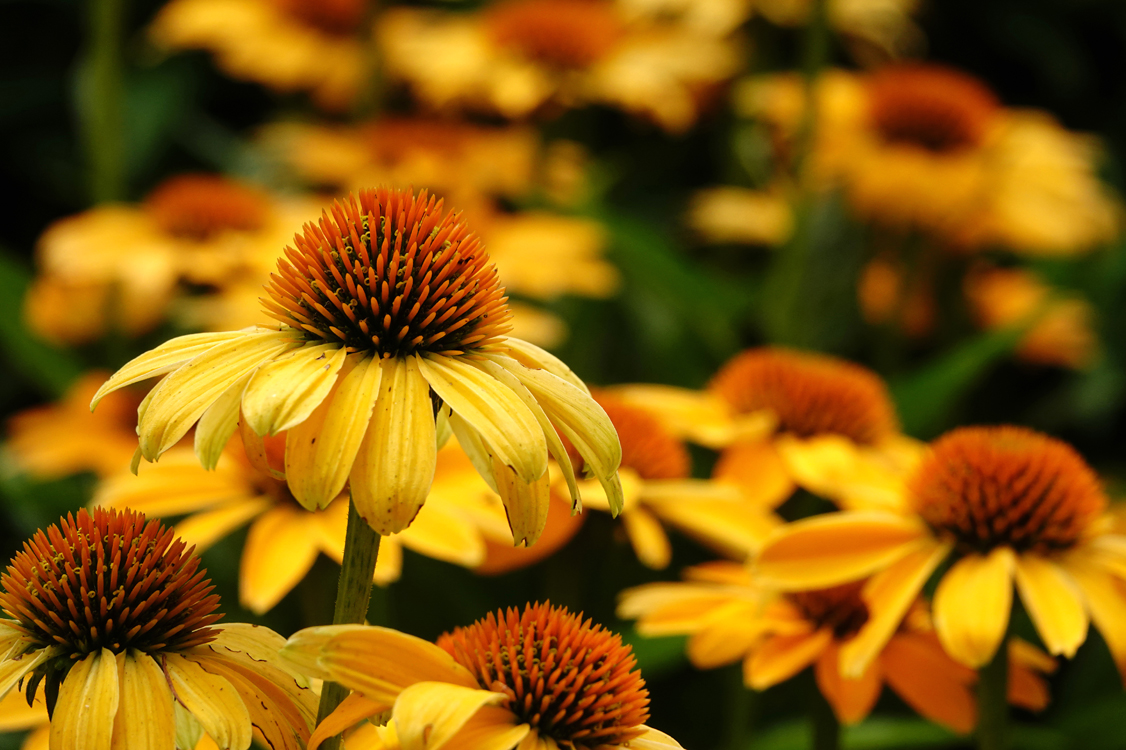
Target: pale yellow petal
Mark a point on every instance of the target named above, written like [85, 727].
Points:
[212, 700]
[475, 449]
[13, 668]
[146, 720]
[180, 399]
[835, 548]
[1054, 602]
[505, 424]
[430, 714]
[525, 503]
[972, 606]
[175, 486]
[534, 357]
[654, 740]
[490, 728]
[395, 465]
[219, 423]
[163, 358]
[284, 391]
[280, 549]
[320, 452]
[87, 704]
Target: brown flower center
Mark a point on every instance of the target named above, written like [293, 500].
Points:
[931, 107]
[839, 608]
[647, 447]
[571, 680]
[570, 34]
[338, 17]
[1007, 486]
[388, 273]
[809, 394]
[200, 206]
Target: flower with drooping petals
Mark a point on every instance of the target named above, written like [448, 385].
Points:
[729, 617]
[113, 616]
[391, 319]
[1007, 505]
[541, 679]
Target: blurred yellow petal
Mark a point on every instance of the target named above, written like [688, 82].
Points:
[285, 391]
[713, 513]
[732, 214]
[757, 470]
[648, 539]
[395, 465]
[783, 656]
[279, 551]
[443, 535]
[212, 700]
[389, 560]
[699, 416]
[936, 686]
[834, 467]
[204, 529]
[1054, 603]
[1105, 594]
[87, 704]
[852, 698]
[146, 720]
[430, 714]
[972, 605]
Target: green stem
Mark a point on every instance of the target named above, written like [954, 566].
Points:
[815, 55]
[993, 702]
[101, 101]
[369, 96]
[826, 728]
[742, 703]
[353, 594]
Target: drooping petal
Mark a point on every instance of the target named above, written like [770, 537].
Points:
[320, 452]
[852, 699]
[257, 453]
[218, 423]
[920, 672]
[505, 424]
[972, 605]
[783, 656]
[1054, 603]
[525, 503]
[395, 465]
[836, 548]
[430, 714]
[146, 720]
[162, 359]
[87, 704]
[180, 399]
[534, 357]
[286, 390]
[212, 700]
[279, 551]
[14, 669]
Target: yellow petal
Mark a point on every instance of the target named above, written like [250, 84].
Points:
[13, 669]
[175, 486]
[429, 714]
[279, 551]
[889, 595]
[730, 636]
[146, 720]
[283, 392]
[320, 452]
[654, 740]
[389, 560]
[163, 358]
[835, 548]
[534, 357]
[218, 423]
[444, 536]
[491, 728]
[525, 503]
[182, 397]
[699, 416]
[783, 656]
[505, 424]
[852, 698]
[204, 529]
[17, 716]
[395, 465]
[972, 605]
[758, 471]
[1105, 594]
[713, 513]
[1054, 603]
[87, 704]
[834, 467]
[647, 538]
[351, 711]
[936, 686]
[475, 449]
[212, 700]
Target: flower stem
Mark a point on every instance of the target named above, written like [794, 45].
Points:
[353, 594]
[742, 703]
[101, 101]
[993, 702]
[826, 728]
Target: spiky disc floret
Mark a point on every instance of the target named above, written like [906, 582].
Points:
[389, 273]
[108, 579]
[569, 679]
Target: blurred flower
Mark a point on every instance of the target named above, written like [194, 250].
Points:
[889, 295]
[123, 670]
[655, 474]
[66, 438]
[731, 214]
[544, 256]
[407, 304]
[121, 265]
[729, 617]
[1063, 334]
[874, 30]
[288, 45]
[540, 679]
[520, 56]
[923, 147]
[1008, 504]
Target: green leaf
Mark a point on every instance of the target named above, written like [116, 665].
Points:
[46, 368]
[656, 656]
[878, 733]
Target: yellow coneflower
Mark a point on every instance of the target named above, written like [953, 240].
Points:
[1008, 505]
[655, 472]
[783, 418]
[391, 318]
[542, 678]
[522, 56]
[288, 45]
[113, 616]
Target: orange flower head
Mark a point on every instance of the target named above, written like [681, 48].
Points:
[1007, 486]
[388, 272]
[647, 447]
[338, 17]
[567, 678]
[199, 206]
[567, 34]
[931, 107]
[809, 394]
[839, 608]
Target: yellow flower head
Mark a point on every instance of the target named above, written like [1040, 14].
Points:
[115, 618]
[392, 321]
[542, 678]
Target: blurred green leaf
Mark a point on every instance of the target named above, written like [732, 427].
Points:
[656, 656]
[43, 366]
[157, 100]
[872, 734]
